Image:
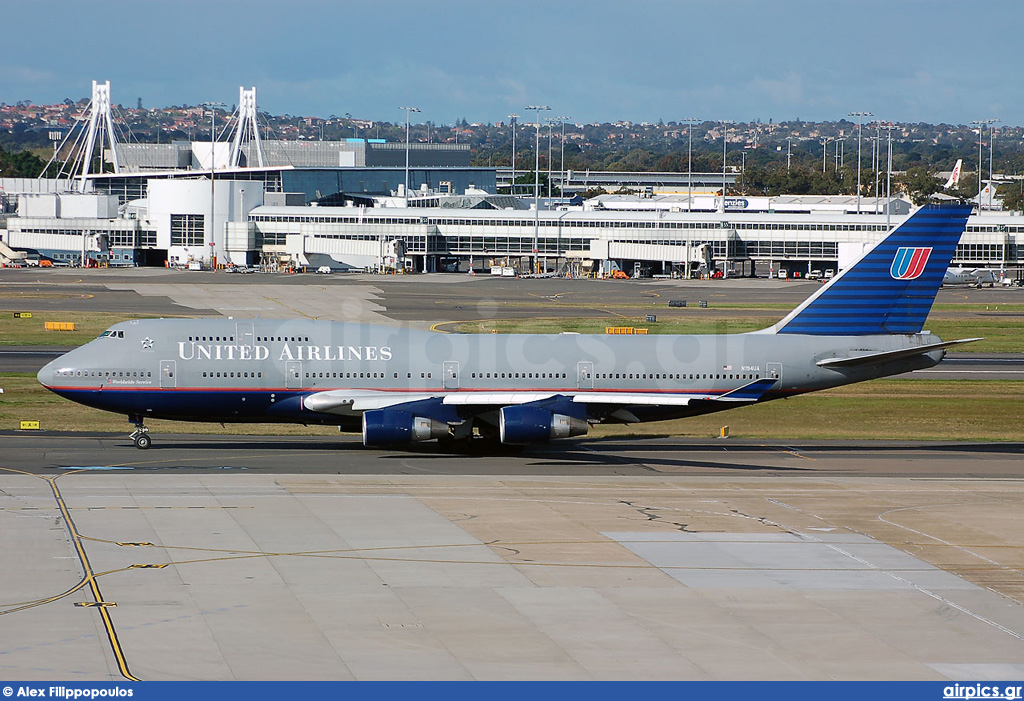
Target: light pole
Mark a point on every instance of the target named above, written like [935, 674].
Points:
[860, 117]
[743, 171]
[991, 175]
[536, 187]
[512, 187]
[212, 106]
[888, 175]
[824, 152]
[689, 164]
[982, 123]
[725, 146]
[876, 142]
[561, 158]
[789, 152]
[407, 111]
[551, 121]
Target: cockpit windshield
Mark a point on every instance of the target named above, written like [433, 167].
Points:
[112, 333]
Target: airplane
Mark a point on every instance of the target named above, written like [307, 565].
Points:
[399, 386]
[976, 277]
[987, 196]
[954, 177]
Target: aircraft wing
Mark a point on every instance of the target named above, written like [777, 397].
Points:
[889, 356]
[355, 401]
[340, 401]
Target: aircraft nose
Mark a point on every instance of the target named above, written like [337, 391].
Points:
[45, 374]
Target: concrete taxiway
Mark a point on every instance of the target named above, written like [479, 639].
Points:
[277, 559]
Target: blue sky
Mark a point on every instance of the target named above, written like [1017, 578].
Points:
[904, 60]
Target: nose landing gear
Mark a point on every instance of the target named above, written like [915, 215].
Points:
[141, 434]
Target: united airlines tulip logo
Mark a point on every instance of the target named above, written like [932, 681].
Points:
[910, 262]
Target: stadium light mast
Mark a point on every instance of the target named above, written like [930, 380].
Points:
[536, 187]
[408, 110]
[689, 162]
[888, 175]
[561, 158]
[991, 174]
[725, 146]
[512, 185]
[213, 107]
[860, 119]
[982, 123]
[551, 122]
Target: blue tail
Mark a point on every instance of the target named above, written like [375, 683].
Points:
[890, 290]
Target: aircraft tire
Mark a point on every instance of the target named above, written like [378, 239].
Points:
[143, 441]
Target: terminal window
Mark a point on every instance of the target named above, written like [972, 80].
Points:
[187, 229]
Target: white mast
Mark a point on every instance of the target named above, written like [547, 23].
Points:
[247, 129]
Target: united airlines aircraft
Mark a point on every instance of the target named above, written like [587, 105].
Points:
[399, 386]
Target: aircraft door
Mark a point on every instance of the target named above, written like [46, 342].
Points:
[450, 372]
[585, 374]
[167, 373]
[774, 370]
[243, 333]
[292, 374]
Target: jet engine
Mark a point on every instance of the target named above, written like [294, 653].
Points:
[389, 427]
[520, 425]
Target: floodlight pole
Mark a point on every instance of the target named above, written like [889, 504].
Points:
[512, 185]
[212, 106]
[982, 123]
[725, 146]
[689, 163]
[860, 117]
[407, 111]
[536, 188]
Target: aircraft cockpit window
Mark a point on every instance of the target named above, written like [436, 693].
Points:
[112, 333]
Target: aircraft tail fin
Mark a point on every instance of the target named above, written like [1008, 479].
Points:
[954, 177]
[891, 288]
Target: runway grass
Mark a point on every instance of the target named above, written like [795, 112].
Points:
[1001, 326]
[32, 331]
[1001, 333]
[955, 410]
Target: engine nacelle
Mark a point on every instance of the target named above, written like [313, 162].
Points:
[396, 427]
[520, 425]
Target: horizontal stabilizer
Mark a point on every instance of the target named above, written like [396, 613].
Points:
[889, 356]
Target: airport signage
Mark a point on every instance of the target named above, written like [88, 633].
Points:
[733, 204]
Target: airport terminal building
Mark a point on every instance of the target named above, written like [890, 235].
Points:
[249, 217]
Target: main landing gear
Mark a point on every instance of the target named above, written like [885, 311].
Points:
[141, 434]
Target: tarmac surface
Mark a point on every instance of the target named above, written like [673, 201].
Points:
[281, 559]
[231, 557]
[415, 299]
